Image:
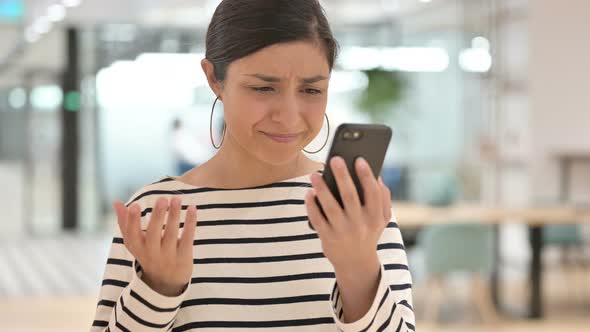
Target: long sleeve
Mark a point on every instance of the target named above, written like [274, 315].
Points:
[391, 309]
[125, 302]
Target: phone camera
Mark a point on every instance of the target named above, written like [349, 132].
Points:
[352, 135]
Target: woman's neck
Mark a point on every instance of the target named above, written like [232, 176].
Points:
[234, 167]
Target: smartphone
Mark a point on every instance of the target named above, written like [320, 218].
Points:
[352, 141]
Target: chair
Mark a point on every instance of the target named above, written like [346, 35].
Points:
[568, 239]
[458, 248]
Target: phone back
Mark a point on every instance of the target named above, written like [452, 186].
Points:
[372, 145]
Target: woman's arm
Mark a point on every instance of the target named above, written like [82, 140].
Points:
[126, 302]
[386, 307]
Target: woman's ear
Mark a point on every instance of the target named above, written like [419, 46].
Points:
[209, 71]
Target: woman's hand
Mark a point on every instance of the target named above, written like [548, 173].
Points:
[350, 235]
[166, 260]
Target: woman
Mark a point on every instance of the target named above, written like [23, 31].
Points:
[247, 259]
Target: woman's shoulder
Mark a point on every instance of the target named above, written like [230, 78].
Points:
[165, 185]
[185, 185]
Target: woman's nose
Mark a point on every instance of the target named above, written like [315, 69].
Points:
[287, 109]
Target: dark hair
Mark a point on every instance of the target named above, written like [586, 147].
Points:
[242, 27]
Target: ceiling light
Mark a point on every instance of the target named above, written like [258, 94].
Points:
[42, 25]
[71, 3]
[475, 60]
[17, 98]
[480, 42]
[415, 59]
[56, 12]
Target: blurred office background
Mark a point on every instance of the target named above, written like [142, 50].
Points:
[489, 162]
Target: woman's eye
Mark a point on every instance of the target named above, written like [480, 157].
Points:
[263, 89]
[312, 91]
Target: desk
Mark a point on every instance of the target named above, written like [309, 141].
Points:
[417, 215]
[414, 215]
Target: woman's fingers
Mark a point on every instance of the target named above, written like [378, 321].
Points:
[185, 244]
[121, 211]
[317, 220]
[372, 193]
[170, 238]
[330, 206]
[386, 194]
[346, 187]
[129, 219]
[134, 238]
[154, 229]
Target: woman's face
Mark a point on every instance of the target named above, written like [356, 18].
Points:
[275, 100]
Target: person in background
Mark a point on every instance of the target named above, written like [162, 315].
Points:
[188, 152]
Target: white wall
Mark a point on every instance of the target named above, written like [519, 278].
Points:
[9, 34]
[559, 84]
[46, 55]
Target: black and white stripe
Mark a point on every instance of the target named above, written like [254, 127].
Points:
[256, 265]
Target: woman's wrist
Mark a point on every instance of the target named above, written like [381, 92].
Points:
[353, 272]
[163, 288]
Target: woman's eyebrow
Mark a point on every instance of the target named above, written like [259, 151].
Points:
[274, 79]
[314, 79]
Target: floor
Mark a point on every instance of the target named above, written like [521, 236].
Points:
[52, 266]
[69, 314]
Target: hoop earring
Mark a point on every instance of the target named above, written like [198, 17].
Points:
[327, 137]
[211, 127]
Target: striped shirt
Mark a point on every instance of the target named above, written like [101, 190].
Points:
[257, 266]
